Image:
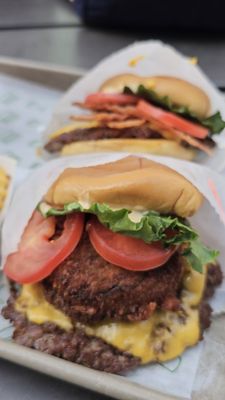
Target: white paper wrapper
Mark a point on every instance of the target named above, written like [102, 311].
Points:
[158, 59]
[209, 221]
[9, 166]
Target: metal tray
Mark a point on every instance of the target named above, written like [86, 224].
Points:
[53, 76]
[115, 386]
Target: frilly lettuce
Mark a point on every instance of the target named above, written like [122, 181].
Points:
[151, 227]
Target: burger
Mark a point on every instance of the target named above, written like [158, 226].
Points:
[109, 272]
[161, 115]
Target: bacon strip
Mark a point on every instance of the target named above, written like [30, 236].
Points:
[194, 142]
[100, 117]
[118, 118]
[170, 133]
[126, 124]
[110, 121]
[128, 110]
[131, 110]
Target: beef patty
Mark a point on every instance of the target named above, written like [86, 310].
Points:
[76, 346]
[89, 289]
[141, 132]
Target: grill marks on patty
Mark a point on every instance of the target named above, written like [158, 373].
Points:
[89, 289]
[78, 135]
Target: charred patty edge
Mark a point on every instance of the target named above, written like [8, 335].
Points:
[56, 144]
[74, 346]
[89, 289]
[100, 133]
[78, 347]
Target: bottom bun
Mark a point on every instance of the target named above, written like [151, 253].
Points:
[159, 147]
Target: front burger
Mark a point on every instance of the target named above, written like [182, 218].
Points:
[108, 272]
[161, 115]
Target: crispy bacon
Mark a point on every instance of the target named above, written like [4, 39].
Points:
[128, 110]
[111, 98]
[100, 117]
[125, 124]
[131, 110]
[119, 117]
[174, 134]
[194, 142]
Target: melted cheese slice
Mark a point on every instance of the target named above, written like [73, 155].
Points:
[162, 337]
[4, 184]
[32, 303]
[75, 125]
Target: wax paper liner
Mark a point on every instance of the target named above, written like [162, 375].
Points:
[209, 221]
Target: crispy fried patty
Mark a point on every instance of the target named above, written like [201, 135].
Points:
[76, 346]
[89, 289]
[142, 132]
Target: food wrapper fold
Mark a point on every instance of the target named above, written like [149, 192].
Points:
[209, 221]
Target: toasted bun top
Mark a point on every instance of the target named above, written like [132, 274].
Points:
[133, 183]
[179, 91]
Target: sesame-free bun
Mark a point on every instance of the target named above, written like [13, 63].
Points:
[160, 147]
[180, 92]
[133, 183]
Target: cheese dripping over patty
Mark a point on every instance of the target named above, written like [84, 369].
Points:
[164, 336]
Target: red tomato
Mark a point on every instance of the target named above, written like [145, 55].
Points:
[147, 110]
[125, 251]
[38, 255]
[104, 98]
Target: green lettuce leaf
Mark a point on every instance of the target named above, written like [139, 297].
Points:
[198, 255]
[214, 123]
[150, 227]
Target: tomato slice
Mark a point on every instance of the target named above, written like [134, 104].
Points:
[104, 98]
[147, 110]
[38, 255]
[127, 252]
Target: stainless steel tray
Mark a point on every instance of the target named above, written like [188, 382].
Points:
[118, 387]
[53, 76]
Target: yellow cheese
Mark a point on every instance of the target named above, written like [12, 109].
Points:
[193, 60]
[164, 336]
[4, 184]
[193, 286]
[32, 303]
[134, 61]
[74, 126]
